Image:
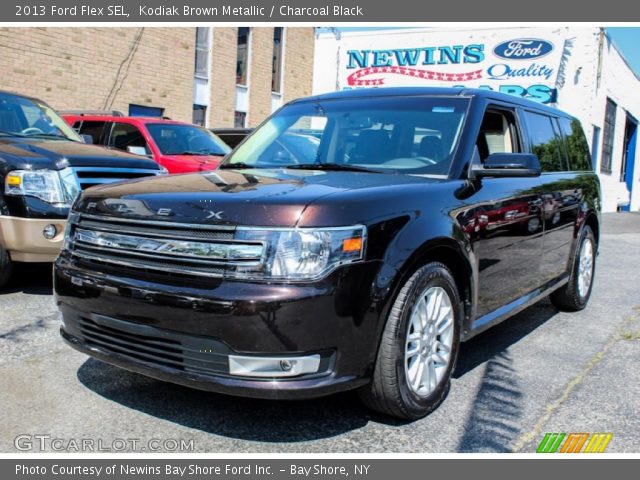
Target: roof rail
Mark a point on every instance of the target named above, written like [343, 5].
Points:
[112, 113]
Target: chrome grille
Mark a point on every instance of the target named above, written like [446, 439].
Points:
[166, 247]
[91, 176]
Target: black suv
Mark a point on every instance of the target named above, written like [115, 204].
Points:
[44, 164]
[421, 218]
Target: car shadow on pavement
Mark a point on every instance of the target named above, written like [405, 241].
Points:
[30, 278]
[233, 417]
[493, 424]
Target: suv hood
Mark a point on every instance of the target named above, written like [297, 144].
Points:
[258, 197]
[16, 153]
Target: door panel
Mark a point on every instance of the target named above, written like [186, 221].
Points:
[505, 228]
[504, 220]
[561, 195]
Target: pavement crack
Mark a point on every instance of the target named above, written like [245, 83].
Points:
[552, 407]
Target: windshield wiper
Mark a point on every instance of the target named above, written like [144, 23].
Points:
[335, 167]
[9, 133]
[241, 166]
[47, 135]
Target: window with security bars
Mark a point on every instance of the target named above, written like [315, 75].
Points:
[608, 136]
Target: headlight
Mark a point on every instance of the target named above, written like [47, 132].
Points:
[302, 253]
[163, 171]
[46, 185]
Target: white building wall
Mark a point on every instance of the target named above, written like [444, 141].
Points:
[583, 82]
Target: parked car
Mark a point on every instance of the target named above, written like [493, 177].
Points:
[179, 147]
[231, 136]
[360, 266]
[43, 166]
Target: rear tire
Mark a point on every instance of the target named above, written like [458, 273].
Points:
[6, 267]
[419, 346]
[575, 295]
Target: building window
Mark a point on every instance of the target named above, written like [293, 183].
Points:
[240, 119]
[608, 135]
[242, 55]
[145, 111]
[199, 114]
[595, 145]
[276, 72]
[203, 42]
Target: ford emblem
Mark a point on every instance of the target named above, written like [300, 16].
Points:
[523, 49]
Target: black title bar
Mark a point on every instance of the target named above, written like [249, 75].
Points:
[323, 12]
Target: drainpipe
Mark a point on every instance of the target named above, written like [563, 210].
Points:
[601, 37]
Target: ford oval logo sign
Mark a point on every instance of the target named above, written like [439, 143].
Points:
[523, 49]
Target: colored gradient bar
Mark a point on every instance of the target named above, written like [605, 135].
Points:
[550, 443]
[573, 443]
[598, 443]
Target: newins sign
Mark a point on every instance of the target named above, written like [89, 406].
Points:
[520, 66]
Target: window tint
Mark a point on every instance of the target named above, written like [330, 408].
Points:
[576, 144]
[94, 129]
[128, 138]
[545, 143]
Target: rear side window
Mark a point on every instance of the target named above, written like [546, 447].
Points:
[545, 142]
[92, 128]
[576, 144]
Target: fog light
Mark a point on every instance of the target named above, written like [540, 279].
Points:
[50, 231]
[273, 366]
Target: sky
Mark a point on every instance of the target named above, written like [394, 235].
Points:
[626, 39]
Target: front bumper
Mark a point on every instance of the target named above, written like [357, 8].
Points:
[126, 322]
[24, 240]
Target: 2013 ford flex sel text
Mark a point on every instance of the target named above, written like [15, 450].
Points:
[419, 218]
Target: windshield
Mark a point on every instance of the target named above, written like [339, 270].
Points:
[416, 135]
[177, 139]
[20, 116]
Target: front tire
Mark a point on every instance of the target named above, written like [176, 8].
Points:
[575, 295]
[6, 266]
[419, 346]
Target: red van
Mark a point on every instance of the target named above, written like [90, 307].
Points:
[179, 147]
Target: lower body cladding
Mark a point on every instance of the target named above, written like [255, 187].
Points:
[277, 341]
[32, 239]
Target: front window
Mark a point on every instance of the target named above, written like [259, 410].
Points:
[176, 139]
[20, 116]
[416, 135]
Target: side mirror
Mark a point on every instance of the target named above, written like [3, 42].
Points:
[86, 138]
[137, 150]
[507, 165]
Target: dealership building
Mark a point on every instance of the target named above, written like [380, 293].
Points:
[214, 76]
[578, 70]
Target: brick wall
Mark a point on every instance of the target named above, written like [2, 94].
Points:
[298, 72]
[223, 76]
[298, 66]
[101, 68]
[109, 68]
[260, 74]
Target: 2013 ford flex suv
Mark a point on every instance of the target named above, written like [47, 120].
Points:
[423, 217]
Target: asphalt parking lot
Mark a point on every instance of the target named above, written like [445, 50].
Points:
[541, 371]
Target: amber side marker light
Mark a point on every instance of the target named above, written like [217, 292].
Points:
[352, 244]
[13, 180]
